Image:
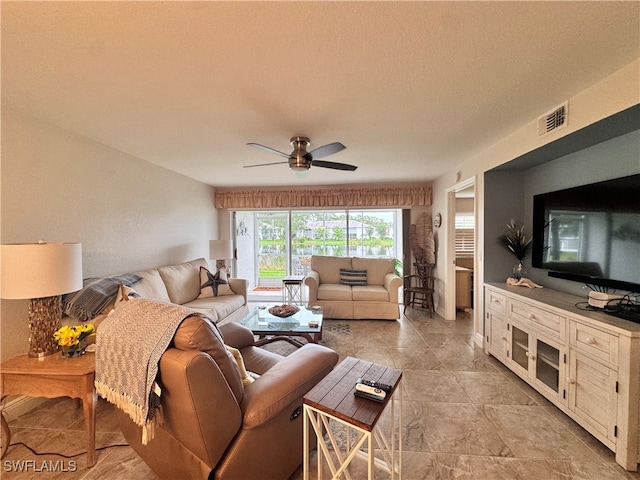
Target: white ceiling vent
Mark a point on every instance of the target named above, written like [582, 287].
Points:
[553, 120]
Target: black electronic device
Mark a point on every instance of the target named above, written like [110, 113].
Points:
[590, 234]
[371, 390]
[627, 309]
[369, 396]
[382, 386]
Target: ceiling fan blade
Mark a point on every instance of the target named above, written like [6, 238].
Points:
[326, 150]
[269, 149]
[334, 165]
[264, 164]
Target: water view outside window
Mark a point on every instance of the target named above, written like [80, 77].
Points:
[282, 243]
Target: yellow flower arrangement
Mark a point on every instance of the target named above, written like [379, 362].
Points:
[72, 338]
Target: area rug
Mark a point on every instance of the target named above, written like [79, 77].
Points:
[343, 328]
[329, 329]
[267, 289]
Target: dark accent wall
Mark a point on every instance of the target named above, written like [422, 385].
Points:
[605, 150]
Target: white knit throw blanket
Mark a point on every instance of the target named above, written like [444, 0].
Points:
[130, 342]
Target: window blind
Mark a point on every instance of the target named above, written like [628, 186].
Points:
[464, 242]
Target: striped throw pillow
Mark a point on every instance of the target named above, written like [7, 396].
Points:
[350, 276]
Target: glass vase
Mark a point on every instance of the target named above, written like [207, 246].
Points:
[519, 271]
[74, 350]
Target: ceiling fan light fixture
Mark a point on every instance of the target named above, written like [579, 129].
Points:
[299, 163]
[300, 144]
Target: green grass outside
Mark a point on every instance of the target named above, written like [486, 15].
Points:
[272, 274]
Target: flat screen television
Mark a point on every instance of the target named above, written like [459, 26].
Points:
[590, 234]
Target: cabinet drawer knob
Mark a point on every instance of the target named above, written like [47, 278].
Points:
[532, 316]
[572, 381]
[530, 355]
[590, 340]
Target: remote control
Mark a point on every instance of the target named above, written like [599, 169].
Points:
[369, 390]
[381, 386]
[368, 396]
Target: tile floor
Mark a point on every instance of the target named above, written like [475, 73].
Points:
[465, 415]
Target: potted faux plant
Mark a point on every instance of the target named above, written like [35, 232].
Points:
[518, 244]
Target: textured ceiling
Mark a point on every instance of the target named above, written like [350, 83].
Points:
[411, 88]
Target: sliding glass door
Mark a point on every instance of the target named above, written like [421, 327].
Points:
[272, 235]
[273, 244]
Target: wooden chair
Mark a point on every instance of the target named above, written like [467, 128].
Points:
[418, 288]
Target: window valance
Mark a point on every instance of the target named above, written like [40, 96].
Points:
[330, 197]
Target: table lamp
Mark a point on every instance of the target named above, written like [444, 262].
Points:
[220, 251]
[41, 272]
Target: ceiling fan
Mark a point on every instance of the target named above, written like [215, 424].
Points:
[301, 160]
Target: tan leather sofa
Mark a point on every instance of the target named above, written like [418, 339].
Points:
[378, 299]
[214, 427]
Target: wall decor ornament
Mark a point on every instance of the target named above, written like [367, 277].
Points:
[516, 241]
[422, 241]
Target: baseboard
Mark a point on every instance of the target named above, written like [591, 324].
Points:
[20, 405]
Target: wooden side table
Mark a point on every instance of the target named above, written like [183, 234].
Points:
[293, 290]
[50, 377]
[332, 400]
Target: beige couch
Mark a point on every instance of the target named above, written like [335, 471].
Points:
[378, 299]
[180, 284]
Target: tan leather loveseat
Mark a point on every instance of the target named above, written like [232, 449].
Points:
[373, 294]
[214, 427]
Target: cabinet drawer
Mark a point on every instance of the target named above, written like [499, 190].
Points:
[597, 343]
[549, 323]
[496, 301]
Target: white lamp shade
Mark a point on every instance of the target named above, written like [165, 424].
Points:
[39, 270]
[220, 249]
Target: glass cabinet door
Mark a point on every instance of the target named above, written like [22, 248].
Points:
[520, 347]
[548, 365]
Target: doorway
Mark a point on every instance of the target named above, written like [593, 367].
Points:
[271, 252]
[462, 234]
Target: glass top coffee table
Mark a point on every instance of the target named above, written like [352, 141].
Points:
[306, 322]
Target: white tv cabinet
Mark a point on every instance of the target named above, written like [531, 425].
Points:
[586, 363]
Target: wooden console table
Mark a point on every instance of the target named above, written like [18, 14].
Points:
[50, 377]
[585, 362]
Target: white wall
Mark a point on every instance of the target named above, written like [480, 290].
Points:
[129, 214]
[613, 94]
